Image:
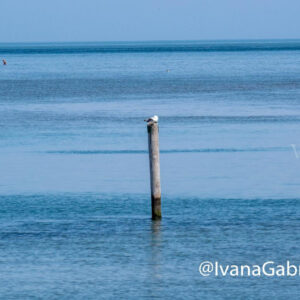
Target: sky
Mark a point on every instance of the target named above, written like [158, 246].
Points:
[139, 20]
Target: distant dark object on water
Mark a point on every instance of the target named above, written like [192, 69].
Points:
[4, 62]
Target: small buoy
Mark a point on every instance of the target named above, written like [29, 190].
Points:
[4, 62]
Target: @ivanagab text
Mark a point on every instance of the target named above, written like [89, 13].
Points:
[268, 269]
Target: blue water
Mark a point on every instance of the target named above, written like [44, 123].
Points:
[74, 179]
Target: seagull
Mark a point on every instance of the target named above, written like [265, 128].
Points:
[153, 119]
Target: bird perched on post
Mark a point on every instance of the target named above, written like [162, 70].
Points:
[153, 119]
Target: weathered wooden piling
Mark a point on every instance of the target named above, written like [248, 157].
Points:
[153, 144]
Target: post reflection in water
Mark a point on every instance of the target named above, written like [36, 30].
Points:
[155, 259]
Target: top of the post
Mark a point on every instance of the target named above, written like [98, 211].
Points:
[152, 121]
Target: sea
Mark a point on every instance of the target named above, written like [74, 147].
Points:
[75, 206]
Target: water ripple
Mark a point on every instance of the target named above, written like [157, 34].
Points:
[170, 151]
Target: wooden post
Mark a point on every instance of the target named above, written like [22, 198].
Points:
[153, 144]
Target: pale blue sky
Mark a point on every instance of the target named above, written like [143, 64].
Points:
[119, 20]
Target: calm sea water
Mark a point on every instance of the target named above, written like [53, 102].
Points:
[74, 183]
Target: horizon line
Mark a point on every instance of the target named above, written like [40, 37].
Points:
[155, 41]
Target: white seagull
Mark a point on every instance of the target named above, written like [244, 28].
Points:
[153, 119]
